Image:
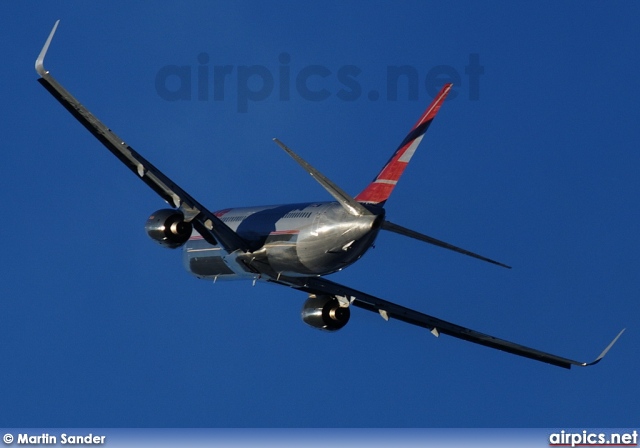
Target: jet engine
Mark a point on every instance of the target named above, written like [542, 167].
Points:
[324, 312]
[168, 228]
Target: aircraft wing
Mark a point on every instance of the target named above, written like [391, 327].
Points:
[318, 285]
[205, 222]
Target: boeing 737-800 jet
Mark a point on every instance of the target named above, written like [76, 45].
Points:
[293, 245]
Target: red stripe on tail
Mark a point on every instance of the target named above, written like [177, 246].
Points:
[380, 189]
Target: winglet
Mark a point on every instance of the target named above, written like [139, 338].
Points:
[378, 191]
[604, 352]
[40, 61]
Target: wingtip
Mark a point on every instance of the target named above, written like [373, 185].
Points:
[605, 351]
[40, 60]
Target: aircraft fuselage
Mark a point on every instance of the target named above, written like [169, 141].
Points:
[315, 238]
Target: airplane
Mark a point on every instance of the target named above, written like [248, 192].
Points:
[294, 245]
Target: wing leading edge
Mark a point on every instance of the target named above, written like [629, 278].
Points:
[204, 221]
[318, 285]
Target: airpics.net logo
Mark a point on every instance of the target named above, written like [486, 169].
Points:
[286, 80]
[586, 438]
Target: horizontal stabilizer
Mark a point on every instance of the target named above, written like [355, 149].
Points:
[391, 227]
[349, 203]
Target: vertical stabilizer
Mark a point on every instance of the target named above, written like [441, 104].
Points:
[378, 191]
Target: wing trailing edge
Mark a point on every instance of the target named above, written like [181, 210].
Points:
[389, 310]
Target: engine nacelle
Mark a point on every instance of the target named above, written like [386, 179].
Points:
[324, 312]
[168, 228]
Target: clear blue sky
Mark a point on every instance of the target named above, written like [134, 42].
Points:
[102, 327]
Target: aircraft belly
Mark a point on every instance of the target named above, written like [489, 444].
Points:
[282, 253]
[211, 262]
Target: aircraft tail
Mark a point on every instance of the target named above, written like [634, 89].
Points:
[378, 191]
